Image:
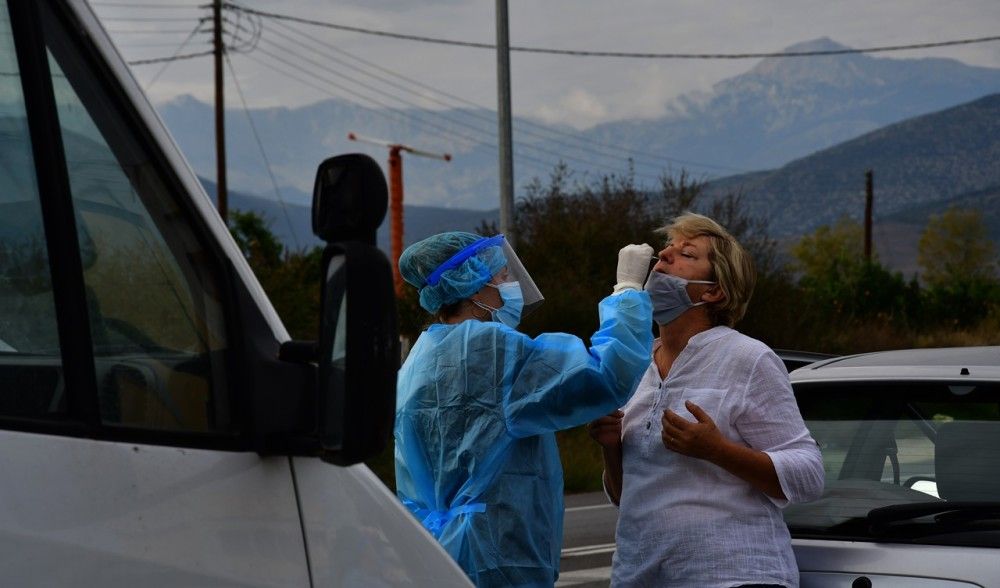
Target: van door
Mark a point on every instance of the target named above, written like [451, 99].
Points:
[123, 453]
[360, 534]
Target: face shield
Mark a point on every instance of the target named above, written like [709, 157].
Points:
[509, 269]
[515, 272]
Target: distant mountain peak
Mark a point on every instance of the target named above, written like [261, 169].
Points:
[820, 44]
[182, 101]
[834, 70]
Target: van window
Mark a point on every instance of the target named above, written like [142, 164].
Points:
[153, 291]
[30, 361]
[155, 316]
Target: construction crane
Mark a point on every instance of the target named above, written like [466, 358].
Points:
[396, 195]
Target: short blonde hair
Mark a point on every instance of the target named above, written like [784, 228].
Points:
[732, 268]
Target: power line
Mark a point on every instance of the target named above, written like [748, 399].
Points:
[238, 43]
[491, 133]
[141, 45]
[369, 87]
[621, 54]
[388, 112]
[166, 64]
[144, 19]
[446, 132]
[152, 6]
[579, 143]
[171, 58]
[147, 31]
[263, 154]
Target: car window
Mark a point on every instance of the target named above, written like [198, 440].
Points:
[900, 444]
[29, 340]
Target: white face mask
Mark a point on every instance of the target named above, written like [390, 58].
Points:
[669, 296]
[513, 302]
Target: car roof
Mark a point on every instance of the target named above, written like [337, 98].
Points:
[953, 364]
[794, 359]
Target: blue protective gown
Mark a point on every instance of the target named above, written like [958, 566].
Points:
[477, 406]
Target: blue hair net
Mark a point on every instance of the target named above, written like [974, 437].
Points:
[449, 267]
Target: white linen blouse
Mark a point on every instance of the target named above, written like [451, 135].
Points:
[684, 521]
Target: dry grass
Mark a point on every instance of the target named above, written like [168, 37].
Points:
[862, 338]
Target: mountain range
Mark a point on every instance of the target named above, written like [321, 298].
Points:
[929, 129]
[779, 110]
[920, 166]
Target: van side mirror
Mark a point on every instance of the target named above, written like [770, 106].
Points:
[350, 198]
[358, 351]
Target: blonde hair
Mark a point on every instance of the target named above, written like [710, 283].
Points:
[732, 268]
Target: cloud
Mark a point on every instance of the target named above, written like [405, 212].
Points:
[572, 90]
[578, 108]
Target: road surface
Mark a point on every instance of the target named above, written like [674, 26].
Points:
[588, 541]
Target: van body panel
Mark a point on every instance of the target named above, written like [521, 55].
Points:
[77, 511]
[359, 534]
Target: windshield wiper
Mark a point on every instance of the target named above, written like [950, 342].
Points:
[949, 516]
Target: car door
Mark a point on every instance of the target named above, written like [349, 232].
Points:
[122, 441]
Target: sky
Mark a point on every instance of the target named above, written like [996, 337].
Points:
[293, 64]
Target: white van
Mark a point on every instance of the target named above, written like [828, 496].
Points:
[156, 425]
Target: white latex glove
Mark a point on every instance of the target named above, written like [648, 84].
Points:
[633, 266]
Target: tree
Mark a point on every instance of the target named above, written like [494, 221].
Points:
[839, 284]
[569, 237]
[290, 279]
[955, 247]
[959, 267]
[254, 237]
[750, 231]
[829, 252]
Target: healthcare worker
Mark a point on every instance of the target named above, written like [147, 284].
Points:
[478, 402]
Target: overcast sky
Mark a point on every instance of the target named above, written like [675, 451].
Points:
[579, 91]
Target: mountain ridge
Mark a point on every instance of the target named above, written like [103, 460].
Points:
[925, 159]
[779, 110]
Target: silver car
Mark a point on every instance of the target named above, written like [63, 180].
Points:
[911, 445]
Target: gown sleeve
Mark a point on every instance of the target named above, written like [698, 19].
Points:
[555, 382]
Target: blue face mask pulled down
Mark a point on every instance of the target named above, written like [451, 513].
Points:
[513, 302]
[669, 296]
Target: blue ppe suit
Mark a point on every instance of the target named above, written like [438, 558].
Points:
[477, 407]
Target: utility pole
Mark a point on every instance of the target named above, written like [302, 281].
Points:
[220, 115]
[504, 135]
[396, 195]
[869, 199]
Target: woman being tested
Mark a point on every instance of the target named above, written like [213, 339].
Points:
[711, 446]
[478, 402]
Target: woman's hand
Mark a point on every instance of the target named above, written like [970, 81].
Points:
[703, 440]
[607, 430]
[700, 439]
